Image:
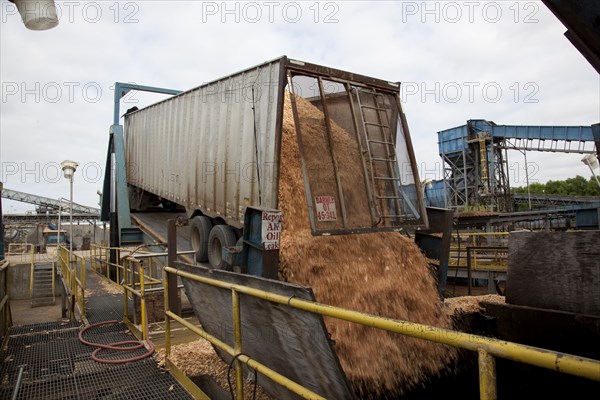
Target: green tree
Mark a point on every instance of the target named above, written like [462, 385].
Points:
[578, 186]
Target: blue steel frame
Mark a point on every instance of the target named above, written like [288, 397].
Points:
[116, 145]
[458, 148]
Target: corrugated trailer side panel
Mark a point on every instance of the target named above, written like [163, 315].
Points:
[197, 149]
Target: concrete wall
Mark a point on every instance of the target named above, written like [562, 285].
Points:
[86, 230]
[18, 281]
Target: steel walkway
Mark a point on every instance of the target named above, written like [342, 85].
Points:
[53, 364]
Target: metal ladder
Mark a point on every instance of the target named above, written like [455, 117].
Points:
[390, 160]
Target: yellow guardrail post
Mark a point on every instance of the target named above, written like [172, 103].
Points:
[106, 259]
[82, 286]
[143, 302]
[93, 256]
[487, 375]
[237, 331]
[4, 302]
[31, 275]
[83, 276]
[167, 311]
[53, 276]
[118, 266]
[125, 284]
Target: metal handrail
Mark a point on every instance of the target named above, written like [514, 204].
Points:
[487, 348]
[4, 302]
[129, 287]
[74, 280]
[128, 268]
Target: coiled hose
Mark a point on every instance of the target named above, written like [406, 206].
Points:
[115, 346]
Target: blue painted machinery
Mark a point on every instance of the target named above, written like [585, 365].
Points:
[475, 158]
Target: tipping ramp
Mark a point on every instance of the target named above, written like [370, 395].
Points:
[292, 342]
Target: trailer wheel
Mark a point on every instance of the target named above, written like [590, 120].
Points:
[200, 233]
[220, 236]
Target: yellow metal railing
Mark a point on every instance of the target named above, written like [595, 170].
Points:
[136, 272]
[487, 258]
[100, 259]
[487, 348]
[4, 302]
[481, 259]
[72, 268]
[135, 283]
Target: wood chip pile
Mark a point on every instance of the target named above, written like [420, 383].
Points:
[379, 273]
[198, 358]
[470, 304]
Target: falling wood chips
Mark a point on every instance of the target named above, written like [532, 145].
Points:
[379, 273]
[198, 358]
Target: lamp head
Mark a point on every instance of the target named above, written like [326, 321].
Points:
[37, 15]
[591, 161]
[69, 168]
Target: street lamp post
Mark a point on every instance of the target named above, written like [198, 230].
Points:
[58, 232]
[69, 168]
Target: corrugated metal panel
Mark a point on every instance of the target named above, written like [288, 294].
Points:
[197, 149]
[572, 133]
[435, 194]
[452, 140]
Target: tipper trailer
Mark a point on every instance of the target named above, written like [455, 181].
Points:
[216, 150]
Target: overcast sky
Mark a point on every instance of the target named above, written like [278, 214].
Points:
[503, 61]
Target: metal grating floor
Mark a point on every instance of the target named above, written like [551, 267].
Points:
[56, 365]
[44, 327]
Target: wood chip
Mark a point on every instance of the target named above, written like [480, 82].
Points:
[470, 304]
[198, 358]
[380, 273]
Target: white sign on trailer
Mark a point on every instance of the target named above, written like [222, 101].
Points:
[325, 208]
[271, 229]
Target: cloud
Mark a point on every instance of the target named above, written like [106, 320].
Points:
[447, 59]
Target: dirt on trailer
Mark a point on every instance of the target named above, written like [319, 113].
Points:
[379, 273]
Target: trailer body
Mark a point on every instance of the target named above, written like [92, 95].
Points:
[215, 149]
[197, 149]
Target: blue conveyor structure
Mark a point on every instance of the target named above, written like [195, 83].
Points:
[475, 158]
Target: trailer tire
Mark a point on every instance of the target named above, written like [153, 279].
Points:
[220, 236]
[200, 232]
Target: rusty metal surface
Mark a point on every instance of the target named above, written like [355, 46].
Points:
[293, 342]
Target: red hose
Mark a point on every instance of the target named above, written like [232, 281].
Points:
[115, 346]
